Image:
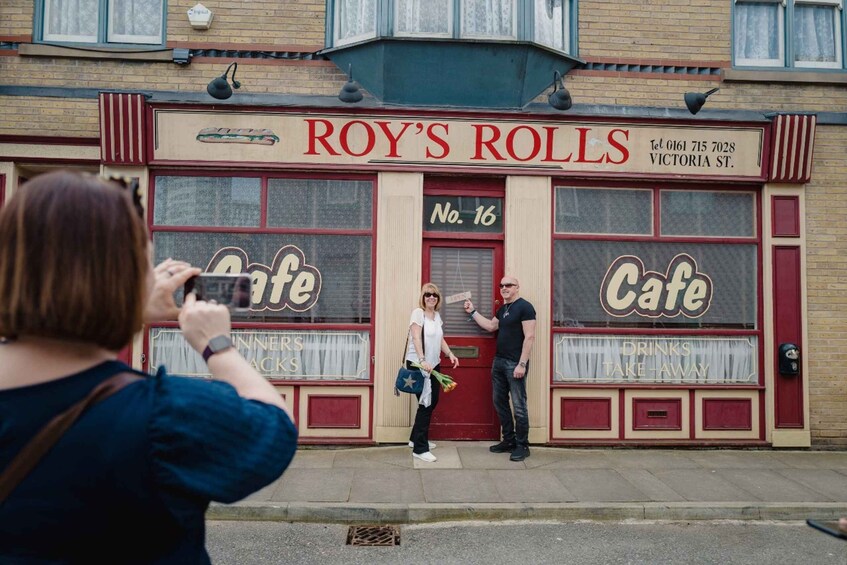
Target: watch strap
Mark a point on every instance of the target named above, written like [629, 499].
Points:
[216, 345]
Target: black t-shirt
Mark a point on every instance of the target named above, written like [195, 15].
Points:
[510, 335]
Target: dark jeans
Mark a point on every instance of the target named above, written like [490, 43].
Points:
[420, 431]
[504, 384]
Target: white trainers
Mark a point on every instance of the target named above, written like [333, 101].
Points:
[431, 444]
[428, 457]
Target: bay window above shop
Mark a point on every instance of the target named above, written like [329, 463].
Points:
[455, 53]
[100, 22]
[790, 34]
[546, 22]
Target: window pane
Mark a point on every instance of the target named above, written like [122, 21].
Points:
[312, 203]
[622, 285]
[71, 20]
[758, 31]
[460, 269]
[588, 210]
[549, 23]
[356, 18]
[815, 34]
[422, 16]
[135, 21]
[207, 201]
[296, 278]
[704, 213]
[488, 18]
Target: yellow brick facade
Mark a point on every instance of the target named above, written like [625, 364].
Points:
[682, 32]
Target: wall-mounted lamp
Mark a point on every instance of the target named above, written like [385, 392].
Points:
[219, 87]
[560, 98]
[200, 17]
[350, 92]
[695, 100]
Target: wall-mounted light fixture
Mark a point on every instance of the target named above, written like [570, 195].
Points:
[695, 100]
[350, 92]
[219, 87]
[560, 98]
[200, 17]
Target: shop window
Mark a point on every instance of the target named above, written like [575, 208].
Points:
[101, 21]
[309, 256]
[789, 33]
[670, 297]
[543, 21]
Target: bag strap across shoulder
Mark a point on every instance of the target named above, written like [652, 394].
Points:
[47, 437]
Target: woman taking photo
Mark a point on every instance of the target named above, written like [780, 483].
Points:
[130, 479]
[426, 337]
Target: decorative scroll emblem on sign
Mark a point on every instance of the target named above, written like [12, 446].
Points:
[237, 135]
[628, 288]
[288, 283]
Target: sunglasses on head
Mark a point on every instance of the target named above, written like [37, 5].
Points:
[507, 285]
[430, 295]
[130, 184]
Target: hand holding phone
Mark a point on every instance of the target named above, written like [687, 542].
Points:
[232, 290]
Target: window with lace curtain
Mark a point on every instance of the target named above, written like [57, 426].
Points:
[789, 33]
[101, 21]
[546, 22]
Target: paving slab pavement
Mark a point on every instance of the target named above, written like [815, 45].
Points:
[385, 484]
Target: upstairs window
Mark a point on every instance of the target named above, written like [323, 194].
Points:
[545, 22]
[102, 21]
[790, 34]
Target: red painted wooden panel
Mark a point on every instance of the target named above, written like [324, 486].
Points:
[727, 414]
[656, 414]
[334, 411]
[786, 216]
[586, 414]
[788, 390]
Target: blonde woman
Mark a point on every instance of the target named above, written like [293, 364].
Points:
[426, 343]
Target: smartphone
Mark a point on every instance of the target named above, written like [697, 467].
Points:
[231, 289]
[828, 527]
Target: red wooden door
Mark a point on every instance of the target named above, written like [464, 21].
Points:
[467, 411]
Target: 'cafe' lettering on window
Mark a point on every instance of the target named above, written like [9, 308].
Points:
[628, 288]
[288, 283]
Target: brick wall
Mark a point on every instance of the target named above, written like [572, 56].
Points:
[15, 17]
[61, 117]
[826, 233]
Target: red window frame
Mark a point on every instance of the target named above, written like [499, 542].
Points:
[656, 237]
[265, 176]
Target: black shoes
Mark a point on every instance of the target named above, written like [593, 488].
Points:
[502, 447]
[520, 453]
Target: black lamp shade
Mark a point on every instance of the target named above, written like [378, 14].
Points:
[694, 101]
[350, 92]
[560, 99]
[219, 88]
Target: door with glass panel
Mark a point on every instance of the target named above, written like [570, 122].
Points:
[457, 267]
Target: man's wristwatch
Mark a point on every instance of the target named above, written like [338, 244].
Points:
[522, 364]
[216, 345]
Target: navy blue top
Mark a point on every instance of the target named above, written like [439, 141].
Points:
[130, 481]
[510, 334]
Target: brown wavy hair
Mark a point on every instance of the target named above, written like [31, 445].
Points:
[73, 261]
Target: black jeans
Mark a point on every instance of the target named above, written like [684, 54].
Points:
[504, 384]
[420, 431]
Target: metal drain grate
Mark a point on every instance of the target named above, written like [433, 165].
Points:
[373, 535]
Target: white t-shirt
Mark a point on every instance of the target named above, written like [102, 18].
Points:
[432, 335]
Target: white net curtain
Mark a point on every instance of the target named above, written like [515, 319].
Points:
[288, 355]
[659, 360]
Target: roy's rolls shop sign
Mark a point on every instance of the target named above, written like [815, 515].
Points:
[407, 141]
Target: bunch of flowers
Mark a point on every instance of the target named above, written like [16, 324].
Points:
[446, 381]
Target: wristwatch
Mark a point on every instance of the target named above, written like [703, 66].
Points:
[522, 364]
[216, 345]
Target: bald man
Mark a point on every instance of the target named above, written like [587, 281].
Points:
[514, 323]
